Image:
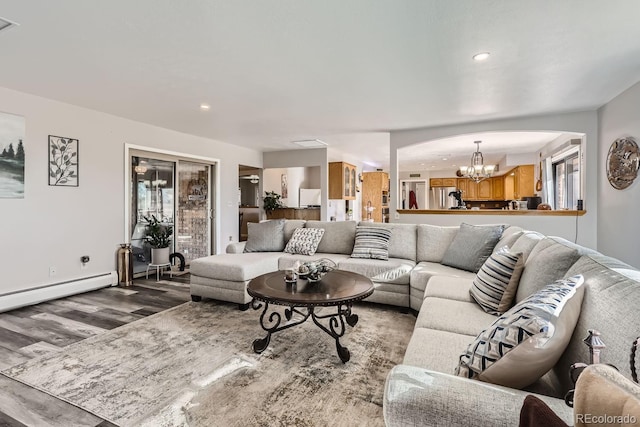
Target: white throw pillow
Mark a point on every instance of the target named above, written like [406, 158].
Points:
[304, 241]
[527, 341]
[495, 285]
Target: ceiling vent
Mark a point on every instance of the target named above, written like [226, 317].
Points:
[5, 24]
[310, 143]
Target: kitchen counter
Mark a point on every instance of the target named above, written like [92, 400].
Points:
[490, 212]
[295, 213]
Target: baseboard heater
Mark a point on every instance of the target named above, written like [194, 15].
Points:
[52, 291]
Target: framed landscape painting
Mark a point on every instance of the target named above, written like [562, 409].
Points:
[11, 156]
[63, 161]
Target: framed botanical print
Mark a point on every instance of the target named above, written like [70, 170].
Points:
[63, 161]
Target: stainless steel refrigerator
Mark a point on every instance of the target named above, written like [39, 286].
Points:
[440, 199]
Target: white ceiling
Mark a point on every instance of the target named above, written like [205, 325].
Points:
[451, 153]
[274, 71]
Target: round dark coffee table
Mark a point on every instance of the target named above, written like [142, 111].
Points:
[336, 289]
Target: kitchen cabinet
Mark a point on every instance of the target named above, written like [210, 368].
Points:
[375, 194]
[308, 214]
[497, 183]
[443, 182]
[342, 181]
[519, 183]
[485, 190]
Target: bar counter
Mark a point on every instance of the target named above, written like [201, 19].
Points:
[490, 212]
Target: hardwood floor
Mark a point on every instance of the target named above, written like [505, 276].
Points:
[40, 329]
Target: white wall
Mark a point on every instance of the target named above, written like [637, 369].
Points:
[618, 226]
[54, 226]
[582, 122]
[295, 178]
[303, 158]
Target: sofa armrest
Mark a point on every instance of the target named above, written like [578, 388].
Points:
[418, 397]
[236, 247]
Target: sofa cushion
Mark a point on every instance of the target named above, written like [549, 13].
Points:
[267, 236]
[526, 242]
[402, 243]
[433, 242]
[435, 350]
[372, 243]
[290, 260]
[471, 246]
[304, 241]
[424, 271]
[611, 301]
[509, 236]
[459, 317]
[448, 287]
[339, 236]
[394, 270]
[235, 267]
[290, 226]
[549, 261]
[527, 341]
[495, 285]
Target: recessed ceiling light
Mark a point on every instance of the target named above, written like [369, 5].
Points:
[205, 107]
[481, 56]
[444, 158]
[310, 143]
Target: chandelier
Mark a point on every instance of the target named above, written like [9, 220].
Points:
[477, 171]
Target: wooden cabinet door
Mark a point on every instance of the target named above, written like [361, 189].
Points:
[449, 182]
[484, 190]
[472, 190]
[435, 182]
[342, 181]
[498, 187]
[463, 185]
[352, 183]
[525, 181]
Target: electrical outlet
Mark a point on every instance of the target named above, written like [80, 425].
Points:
[397, 215]
[231, 238]
[52, 271]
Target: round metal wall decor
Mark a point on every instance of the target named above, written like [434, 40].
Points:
[622, 163]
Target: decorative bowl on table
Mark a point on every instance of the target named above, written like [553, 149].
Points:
[315, 270]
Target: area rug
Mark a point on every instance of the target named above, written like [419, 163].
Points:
[193, 365]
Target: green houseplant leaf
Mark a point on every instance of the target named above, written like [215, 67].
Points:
[157, 234]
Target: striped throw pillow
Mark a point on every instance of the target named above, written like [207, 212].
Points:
[372, 242]
[496, 283]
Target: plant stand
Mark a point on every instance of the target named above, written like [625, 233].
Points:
[158, 267]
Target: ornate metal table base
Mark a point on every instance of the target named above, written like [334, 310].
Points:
[336, 324]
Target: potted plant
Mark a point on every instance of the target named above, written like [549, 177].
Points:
[271, 201]
[159, 237]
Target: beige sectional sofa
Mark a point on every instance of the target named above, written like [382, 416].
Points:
[423, 390]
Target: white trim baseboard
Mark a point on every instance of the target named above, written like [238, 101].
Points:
[23, 298]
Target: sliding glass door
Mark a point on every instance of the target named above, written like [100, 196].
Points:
[180, 194]
[153, 189]
[193, 228]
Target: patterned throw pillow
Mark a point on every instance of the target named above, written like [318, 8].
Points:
[304, 241]
[495, 285]
[371, 242]
[527, 341]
